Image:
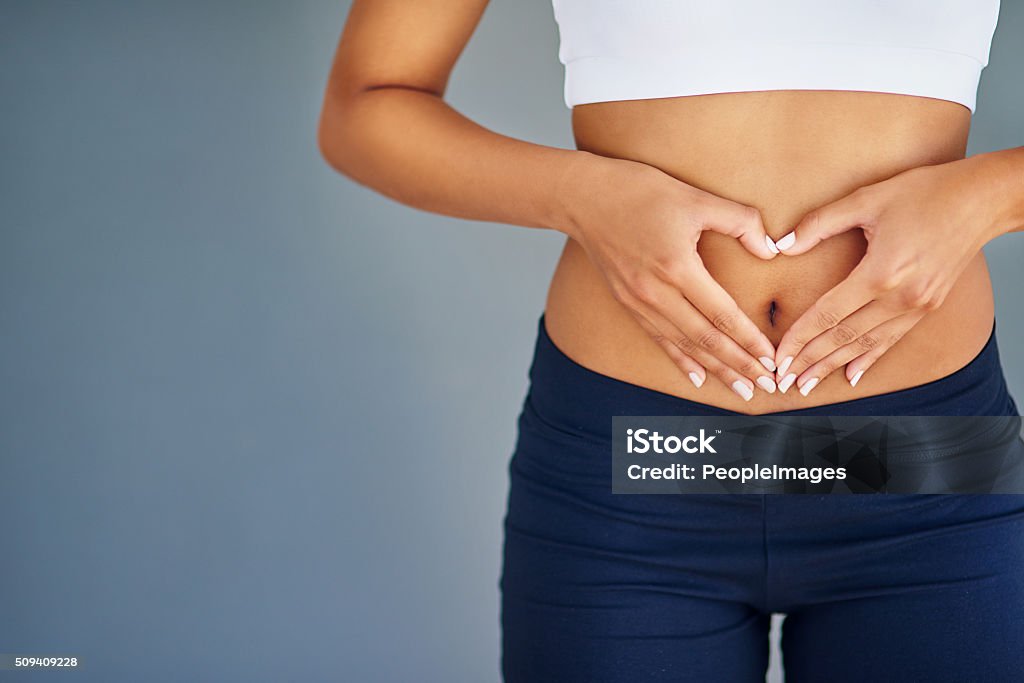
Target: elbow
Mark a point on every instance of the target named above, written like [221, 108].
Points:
[330, 140]
[335, 133]
[322, 143]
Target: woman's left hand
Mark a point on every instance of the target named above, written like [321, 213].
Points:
[923, 227]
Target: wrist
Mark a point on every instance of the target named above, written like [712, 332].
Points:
[586, 180]
[569, 189]
[996, 181]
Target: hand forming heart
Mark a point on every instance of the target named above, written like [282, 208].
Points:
[923, 226]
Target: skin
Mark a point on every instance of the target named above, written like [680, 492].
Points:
[924, 228]
[667, 279]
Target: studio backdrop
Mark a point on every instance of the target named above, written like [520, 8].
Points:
[255, 419]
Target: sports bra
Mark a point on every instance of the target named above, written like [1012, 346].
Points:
[643, 49]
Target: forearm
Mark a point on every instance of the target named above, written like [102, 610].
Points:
[413, 147]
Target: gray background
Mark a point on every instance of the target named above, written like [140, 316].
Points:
[254, 419]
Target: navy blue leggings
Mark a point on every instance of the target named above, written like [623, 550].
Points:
[607, 588]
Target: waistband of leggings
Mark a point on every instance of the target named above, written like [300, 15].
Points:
[582, 399]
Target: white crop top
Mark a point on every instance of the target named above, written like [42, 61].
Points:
[643, 49]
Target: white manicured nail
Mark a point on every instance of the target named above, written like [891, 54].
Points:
[786, 241]
[767, 384]
[743, 390]
[787, 382]
[785, 365]
[771, 245]
[696, 379]
[768, 363]
[856, 378]
[808, 385]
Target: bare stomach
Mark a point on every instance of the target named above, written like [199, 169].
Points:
[785, 153]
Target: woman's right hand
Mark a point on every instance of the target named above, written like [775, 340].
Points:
[640, 228]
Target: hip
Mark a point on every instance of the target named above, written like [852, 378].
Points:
[563, 458]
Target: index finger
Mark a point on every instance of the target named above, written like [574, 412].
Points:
[829, 310]
[711, 299]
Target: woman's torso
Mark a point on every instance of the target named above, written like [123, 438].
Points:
[785, 153]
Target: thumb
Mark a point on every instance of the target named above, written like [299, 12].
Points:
[821, 223]
[744, 223]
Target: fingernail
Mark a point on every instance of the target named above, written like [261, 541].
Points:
[767, 384]
[856, 378]
[767, 363]
[808, 385]
[771, 245]
[787, 241]
[787, 382]
[696, 379]
[743, 390]
[785, 365]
